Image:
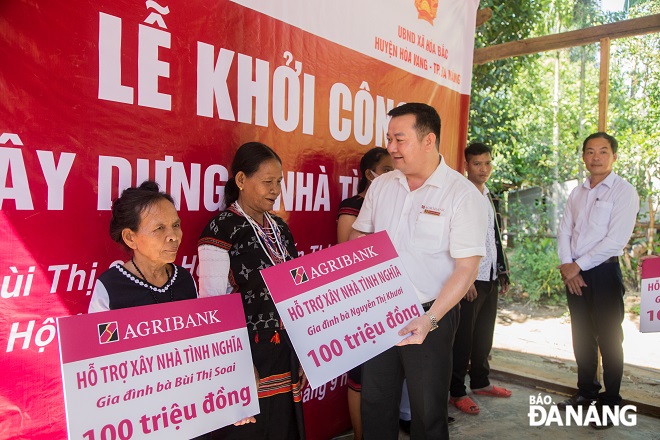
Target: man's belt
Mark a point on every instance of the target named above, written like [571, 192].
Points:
[610, 260]
[427, 305]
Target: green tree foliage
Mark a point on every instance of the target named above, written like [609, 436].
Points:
[534, 270]
[536, 110]
[490, 120]
[635, 121]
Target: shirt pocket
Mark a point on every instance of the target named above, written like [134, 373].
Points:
[429, 232]
[601, 213]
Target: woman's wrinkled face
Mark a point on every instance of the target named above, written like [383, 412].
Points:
[261, 189]
[159, 235]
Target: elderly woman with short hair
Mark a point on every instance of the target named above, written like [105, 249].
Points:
[146, 223]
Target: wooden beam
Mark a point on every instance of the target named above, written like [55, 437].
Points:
[604, 83]
[483, 15]
[620, 29]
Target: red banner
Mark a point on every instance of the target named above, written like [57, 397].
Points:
[96, 97]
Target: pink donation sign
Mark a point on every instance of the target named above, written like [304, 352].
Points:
[343, 305]
[173, 370]
[649, 308]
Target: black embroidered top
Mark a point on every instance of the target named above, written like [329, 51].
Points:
[117, 288]
[231, 231]
[351, 206]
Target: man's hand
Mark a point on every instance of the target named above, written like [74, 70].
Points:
[471, 294]
[419, 327]
[575, 285]
[454, 289]
[570, 275]
[569, 270]
[504, 284]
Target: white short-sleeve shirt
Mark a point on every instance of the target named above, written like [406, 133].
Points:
[446, 218]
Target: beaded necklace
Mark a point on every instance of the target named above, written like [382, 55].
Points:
[269, 237]
[150, 291]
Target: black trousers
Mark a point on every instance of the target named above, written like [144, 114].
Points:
[427, 368]
[474, 338]
[596, 318]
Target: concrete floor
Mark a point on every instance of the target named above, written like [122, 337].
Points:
[541, 348]
[502, 418]
[508, 419]
[532, 355]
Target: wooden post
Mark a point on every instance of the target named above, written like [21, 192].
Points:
[604, 83]
[603, 99]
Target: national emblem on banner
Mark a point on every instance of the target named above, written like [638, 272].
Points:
[427, 9]
[108, 332]
[299, 275]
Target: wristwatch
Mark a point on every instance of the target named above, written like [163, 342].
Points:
[434, 321]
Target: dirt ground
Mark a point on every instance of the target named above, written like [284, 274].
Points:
[533, 353]
[535, 342]
[517, 309]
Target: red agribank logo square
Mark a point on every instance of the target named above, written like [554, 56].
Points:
[299, 275]
[108, 332]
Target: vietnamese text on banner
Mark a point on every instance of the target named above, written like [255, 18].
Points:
[172, 370]
[649, 313]
[343, 305]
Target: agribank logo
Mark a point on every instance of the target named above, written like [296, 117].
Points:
[594, 415]
[299, 275]
[427, 10]
[108, 332]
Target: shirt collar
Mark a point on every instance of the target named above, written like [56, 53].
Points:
[434, 179]
[438, 175]
[608, 181]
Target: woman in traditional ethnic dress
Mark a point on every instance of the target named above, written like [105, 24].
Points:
[236, 244]
[374, 163]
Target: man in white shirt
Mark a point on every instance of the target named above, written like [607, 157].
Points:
[437, 222]
[598, 220]
[474, 337]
